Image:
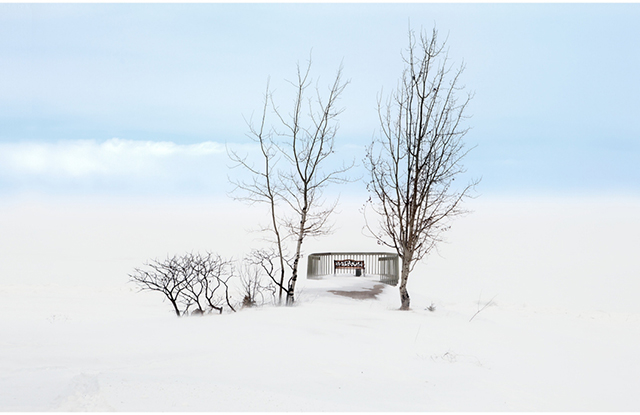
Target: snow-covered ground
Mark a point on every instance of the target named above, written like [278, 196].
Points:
[561, 334]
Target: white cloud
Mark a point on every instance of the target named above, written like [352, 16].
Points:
[113, 166]
[86, 158]
[123, 166]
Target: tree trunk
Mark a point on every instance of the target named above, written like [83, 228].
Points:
[175, 307]
[296, 261]
[294, 275]
[281, 281]
[274, 222]
[405, 301]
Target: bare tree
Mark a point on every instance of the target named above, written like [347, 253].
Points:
[302, 144]
[189, 280]
[418, 155]
[310, 144]
[163, 277]
[264, 186]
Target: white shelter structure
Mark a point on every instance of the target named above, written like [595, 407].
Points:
[382, 264]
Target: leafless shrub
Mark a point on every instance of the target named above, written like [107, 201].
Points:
[250, 282]
[163, 277]
[191, 280]
[258, 277]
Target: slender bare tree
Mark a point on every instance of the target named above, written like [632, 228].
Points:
[264, 186]
[310, 142]
[301, 144]
[414, 162]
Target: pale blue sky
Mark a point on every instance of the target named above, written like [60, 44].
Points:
[556, 109]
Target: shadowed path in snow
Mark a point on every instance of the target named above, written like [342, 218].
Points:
[370, 293]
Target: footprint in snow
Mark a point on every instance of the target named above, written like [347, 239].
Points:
[82, 394]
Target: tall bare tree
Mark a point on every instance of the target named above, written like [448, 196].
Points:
[294, 171]
[418, 155]
[264, 187]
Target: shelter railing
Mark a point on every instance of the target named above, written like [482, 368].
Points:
[383, 264]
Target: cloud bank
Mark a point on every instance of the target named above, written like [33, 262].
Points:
[117, 164]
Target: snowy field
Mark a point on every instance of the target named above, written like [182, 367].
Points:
[561, 333]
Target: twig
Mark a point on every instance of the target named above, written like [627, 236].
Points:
[485, 306]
